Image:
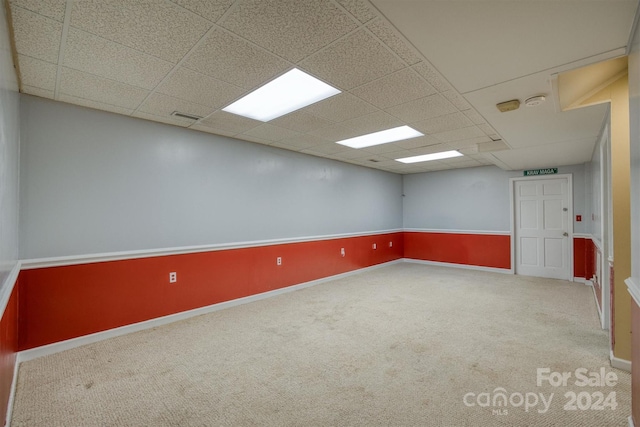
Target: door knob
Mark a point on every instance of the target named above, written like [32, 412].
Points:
[565, 234]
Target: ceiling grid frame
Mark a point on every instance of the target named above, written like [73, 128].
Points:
[376, 23]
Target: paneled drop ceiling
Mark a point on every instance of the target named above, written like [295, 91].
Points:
[438, 66]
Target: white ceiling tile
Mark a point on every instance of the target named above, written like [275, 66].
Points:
[37, 73]
[460, 160]
[199, 89]
[394, 89]
[216, 131]
[487, 129]
[53, 9]
[397, 154]
[431, 166]
[423, 108]
[233, 60]
[159, 28]
[163, 105]
[36, 36]
[381, 149]
[353, 154]
[373, 122]
[421, 141]
[478, 44]
[419, 151]
[284, 146]
[208, 9]
[301, 121]
[432, 76]
[360, 9]
[388, 35]
[36, 91]
[390, 166]
[443, 123]
[169, 120]
[475, 117]
[457, 100]
[303, 141]
[340, 108]
[465, 165]
[99, 89]
[270, 133]
[310, 25]
[255, 139]
[334, 132]
[95, 55]
[369, 160]
[231, 123]
[383, 164]
[328, 148]
[353, 61]
[94, 104]
[462, 144]
[459, 134]
[493, 145]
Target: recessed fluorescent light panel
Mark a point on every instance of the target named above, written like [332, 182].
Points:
[291, 91]
[382, 137]
[429, 157]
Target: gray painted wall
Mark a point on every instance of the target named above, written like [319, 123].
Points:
[474, 199]
[96, 182]
[9, 155]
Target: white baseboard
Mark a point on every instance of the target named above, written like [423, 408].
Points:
[582, 280]
[463, 266]
[623, 364]
[12, 393]
[159, 321]
[631, 421]
[598, 308]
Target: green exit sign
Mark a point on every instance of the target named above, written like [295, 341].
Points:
[535, 172]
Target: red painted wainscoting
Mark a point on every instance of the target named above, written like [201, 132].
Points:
[584, 257]
[579, 257]
[585, 254]
[484, 250]
[8, 350]
[60, 303]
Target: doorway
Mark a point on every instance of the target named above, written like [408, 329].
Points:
[542, 232]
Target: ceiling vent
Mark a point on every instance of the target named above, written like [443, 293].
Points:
[514, 104]
[185, 115]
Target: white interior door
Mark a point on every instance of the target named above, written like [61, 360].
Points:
[542, 228]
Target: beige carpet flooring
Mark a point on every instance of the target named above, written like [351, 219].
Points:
[398, 346]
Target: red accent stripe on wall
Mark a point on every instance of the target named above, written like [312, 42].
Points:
[8, 350]
[579, 257]
[584, 257]
[484, 250]
[60, 303]
[584, 263]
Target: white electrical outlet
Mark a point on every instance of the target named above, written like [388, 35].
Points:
[279, 260]
[390, 244]
[173, 277]
[342, 251]
[375, 246]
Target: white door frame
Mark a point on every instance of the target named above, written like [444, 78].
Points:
[604, 145]
[512, 200]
